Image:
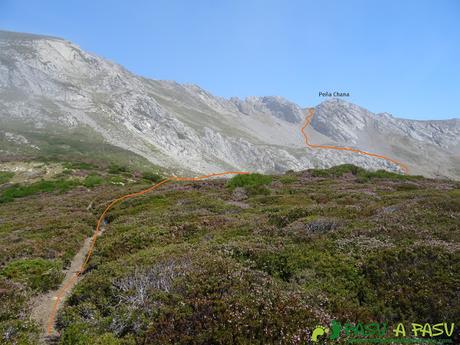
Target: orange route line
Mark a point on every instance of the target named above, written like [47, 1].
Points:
[60, 294]
[311, 112]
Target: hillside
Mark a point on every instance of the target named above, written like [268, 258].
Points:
[298, 235]
[255, 259]
[60, 102]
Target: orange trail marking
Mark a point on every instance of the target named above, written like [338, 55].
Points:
[311, 112]
[60, 294]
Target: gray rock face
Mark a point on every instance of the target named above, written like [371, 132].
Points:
[52, 86]
[272, 106]
[344, 122]
[431, 148]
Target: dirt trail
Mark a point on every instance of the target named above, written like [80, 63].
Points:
[42, 306]
[45, 307]
[51, 302]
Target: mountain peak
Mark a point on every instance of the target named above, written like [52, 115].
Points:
[53, 86]
[339, 119]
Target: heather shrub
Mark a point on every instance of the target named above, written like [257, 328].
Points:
[38, 274]
[249, 180]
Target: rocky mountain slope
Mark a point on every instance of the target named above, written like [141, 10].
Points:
[49, 87]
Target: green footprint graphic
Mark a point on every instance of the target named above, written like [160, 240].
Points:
[317, 332]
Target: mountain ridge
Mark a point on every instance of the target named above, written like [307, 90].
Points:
[50, 83]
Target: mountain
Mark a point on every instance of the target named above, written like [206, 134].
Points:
[56, 99]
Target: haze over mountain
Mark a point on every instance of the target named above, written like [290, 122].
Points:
[50, 87]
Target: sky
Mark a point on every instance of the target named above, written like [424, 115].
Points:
[401, 57]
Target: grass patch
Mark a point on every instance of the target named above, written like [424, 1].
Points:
[249, 180]
[79, 166]
[5, 176]
[38, 274]
[117, 169]
[18, 191]
[285, 217]
[287, 179]
[387, 175]
[338, 171]
[92, 180]
[362, 174]
[152, 177]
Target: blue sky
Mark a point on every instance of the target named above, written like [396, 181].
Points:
[402, 57]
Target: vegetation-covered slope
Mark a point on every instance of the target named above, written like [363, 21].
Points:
[253, 260]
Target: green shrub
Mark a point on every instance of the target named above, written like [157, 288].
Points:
[387, 175]
[18, 332]
[117, 169]
[286, 179]
[117, 179]
[150, 176]
[451, 204]
[362, 174]
[249, 180]
[362, 179]
[39, 274]
[283, 218]
[419, 282]
[107, 339]
[319, 172]
[339, 170]
[219, 302]
[258, 190]
[76, 334]
[279, 265]
[79, 165]
[5, 176]
[92, 180]
[406, 187]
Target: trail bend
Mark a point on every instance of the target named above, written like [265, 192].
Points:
[83, 257]
[311, 112]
